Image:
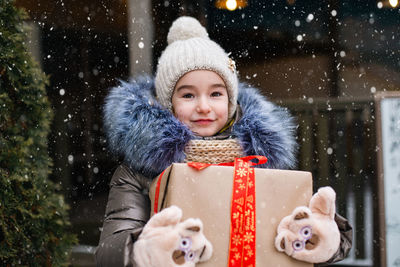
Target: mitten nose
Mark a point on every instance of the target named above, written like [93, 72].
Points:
[313, 242]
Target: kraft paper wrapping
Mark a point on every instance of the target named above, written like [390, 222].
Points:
[206, 194]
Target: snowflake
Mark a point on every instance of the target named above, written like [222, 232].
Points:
[236, 240]
[237, 256]
[250, 253]
[248, 237]
[241, 172]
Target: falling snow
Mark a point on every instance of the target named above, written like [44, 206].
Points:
[299, 55]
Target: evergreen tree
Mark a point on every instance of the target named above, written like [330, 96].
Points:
[34, 226]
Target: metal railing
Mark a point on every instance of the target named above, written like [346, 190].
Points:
[83, 256]
[338, 145]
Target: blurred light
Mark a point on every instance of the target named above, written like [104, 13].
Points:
[230, 5]
[394, 3]
[388, 4]
[310, 17]
[70, 159]
[299, 38]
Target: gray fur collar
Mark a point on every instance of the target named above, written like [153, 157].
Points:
[150, 138]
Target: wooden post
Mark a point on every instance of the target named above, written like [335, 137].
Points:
[333, 5]
[140, 33]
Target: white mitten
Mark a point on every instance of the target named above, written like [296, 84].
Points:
[310, 233]
[167, 242]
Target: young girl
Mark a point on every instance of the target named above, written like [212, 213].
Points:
[194, 110]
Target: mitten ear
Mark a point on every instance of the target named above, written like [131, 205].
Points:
[297, 214]
[323, 202]
[168, 216]
[280, 242]
[301, 213]
[191, 226]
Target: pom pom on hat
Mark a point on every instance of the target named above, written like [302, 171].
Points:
[185, 28]
[189, 48]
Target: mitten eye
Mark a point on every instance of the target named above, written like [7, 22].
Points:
[298, 245]
[190, 256]
[186, 243]
[306, 232]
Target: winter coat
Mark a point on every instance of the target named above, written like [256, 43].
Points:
[150, 138]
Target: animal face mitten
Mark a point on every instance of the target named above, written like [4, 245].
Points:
[310, 233]
[166, 241]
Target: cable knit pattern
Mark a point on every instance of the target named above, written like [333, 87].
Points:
[213, 151]
[188, 43]
[150, 138]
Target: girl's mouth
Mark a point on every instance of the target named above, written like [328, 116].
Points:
[203, 121]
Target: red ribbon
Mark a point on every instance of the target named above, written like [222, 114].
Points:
[199, 165]
[242, 244]
[157, 196]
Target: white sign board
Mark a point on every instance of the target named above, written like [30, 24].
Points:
[390, 145]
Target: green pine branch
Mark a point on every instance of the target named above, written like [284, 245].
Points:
[34, 226]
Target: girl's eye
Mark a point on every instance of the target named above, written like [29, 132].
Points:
[306, 232]
[215, 94]
[187, 96]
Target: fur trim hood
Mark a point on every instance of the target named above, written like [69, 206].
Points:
[150, 138]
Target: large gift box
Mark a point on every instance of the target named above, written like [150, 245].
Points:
[207, 194]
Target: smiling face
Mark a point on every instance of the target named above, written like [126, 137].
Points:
[200, 100]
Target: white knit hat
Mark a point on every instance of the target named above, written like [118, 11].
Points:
[189, 48]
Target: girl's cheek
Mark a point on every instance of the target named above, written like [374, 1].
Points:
[179, 114]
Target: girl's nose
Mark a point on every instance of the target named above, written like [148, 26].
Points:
[203, 106]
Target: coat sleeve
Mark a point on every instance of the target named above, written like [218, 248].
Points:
[128, 210]
[346, 240]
